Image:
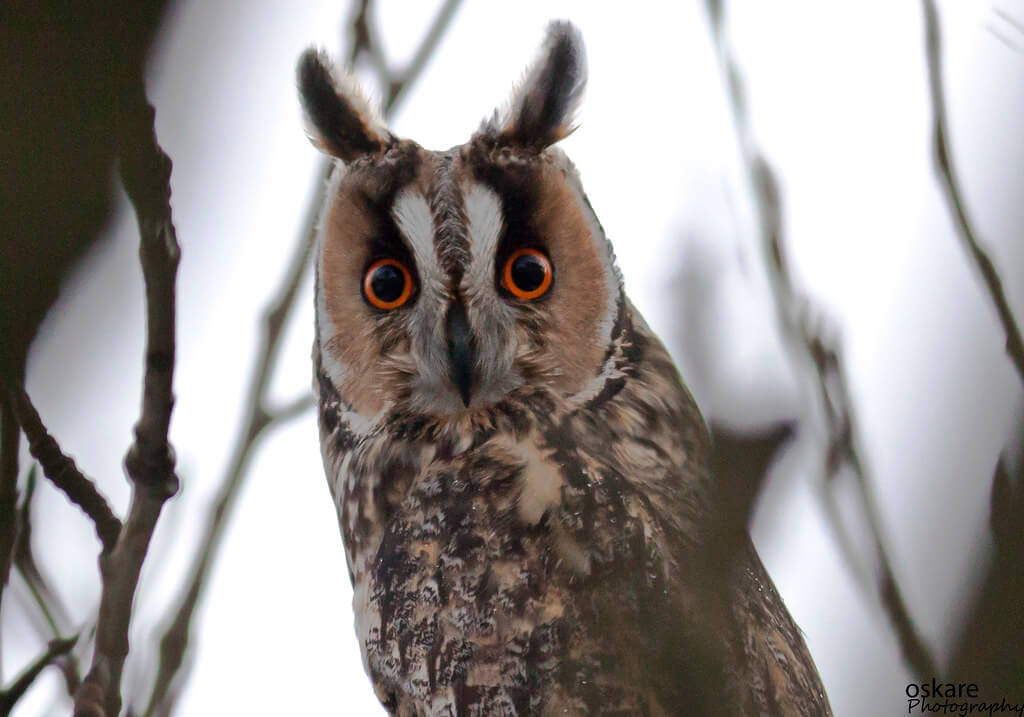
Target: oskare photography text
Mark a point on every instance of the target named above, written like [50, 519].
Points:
[958, 698]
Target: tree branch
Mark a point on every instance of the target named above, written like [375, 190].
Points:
[740, 461]
[57, 648]
[50, 606]
[395, 83]
[954, 195]
[815, 357]
[145, 172]
[61, 470]
[258, 419]
[401, 81]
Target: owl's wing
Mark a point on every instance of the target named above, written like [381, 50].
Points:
[702, 633]
[776, 664]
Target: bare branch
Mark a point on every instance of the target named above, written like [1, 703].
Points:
[990, 637]
[401, 81]
[1010, 19]
[258, 417]
[363, 42]
[9, 436]
[740, 461]
[56, 649]
[294, 408]
[954, 195]
[51, 607]
[145, 172]
[1007, 42]
[61, 470]
[395, 83]
[815, 357]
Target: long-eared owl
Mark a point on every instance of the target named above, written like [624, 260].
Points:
[521, 478]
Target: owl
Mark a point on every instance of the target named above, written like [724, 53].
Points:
[521, 478]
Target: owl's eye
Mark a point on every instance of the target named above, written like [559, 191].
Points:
[387, 284]
[527, 274]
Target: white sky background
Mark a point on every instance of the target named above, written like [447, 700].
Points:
[838, 96]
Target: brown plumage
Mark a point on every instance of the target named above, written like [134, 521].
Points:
[522, 484]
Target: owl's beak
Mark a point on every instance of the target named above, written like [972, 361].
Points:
[461, 350]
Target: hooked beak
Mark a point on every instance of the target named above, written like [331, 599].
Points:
[461, 350]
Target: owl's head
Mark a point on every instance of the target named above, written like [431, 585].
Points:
[446, 281]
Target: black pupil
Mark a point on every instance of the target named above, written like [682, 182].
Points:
[528, 272]
[388, 283]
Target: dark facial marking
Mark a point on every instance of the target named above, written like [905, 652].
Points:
[515, 183]
[342, 128]
[383, 181]
[548, 100]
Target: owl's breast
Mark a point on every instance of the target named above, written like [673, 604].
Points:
[516, 577]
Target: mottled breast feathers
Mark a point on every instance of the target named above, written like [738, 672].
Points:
[521, 478]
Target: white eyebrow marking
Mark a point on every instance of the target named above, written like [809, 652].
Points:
[485, 219]
[415, 221]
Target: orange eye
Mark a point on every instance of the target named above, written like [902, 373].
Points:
[387, 284]
[527, 274]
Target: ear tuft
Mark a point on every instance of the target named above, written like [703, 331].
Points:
[542, 109]
[339, 119]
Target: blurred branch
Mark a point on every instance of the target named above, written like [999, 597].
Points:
[53, 120]
[740, 461]
[61, 470]
[396, 82]
[1006, 505]
[258, 417]
[56, 649]
[990, 640]
[25, 561]
[954, 194]
[258, 420]
[145, 173]
[1007, 42]
[815, 357]
[990, 643]
[1015, 25]
[294, 408]
[1010, 20]
[49, 604]
[9, 436]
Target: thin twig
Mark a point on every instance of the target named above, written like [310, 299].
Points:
[56, 649]
[61, 470]
[1007, 42]
[51, 607]
[1010, 20]
[954, 195]
[24, 559]
[403, 80]
[296, 407]
[363, 43]
[396, 82]
[258, 417]
[816, 357]
[52, 610]
[145, 173]
[842, 451]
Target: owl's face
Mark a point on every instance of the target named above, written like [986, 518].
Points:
[448, 280]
